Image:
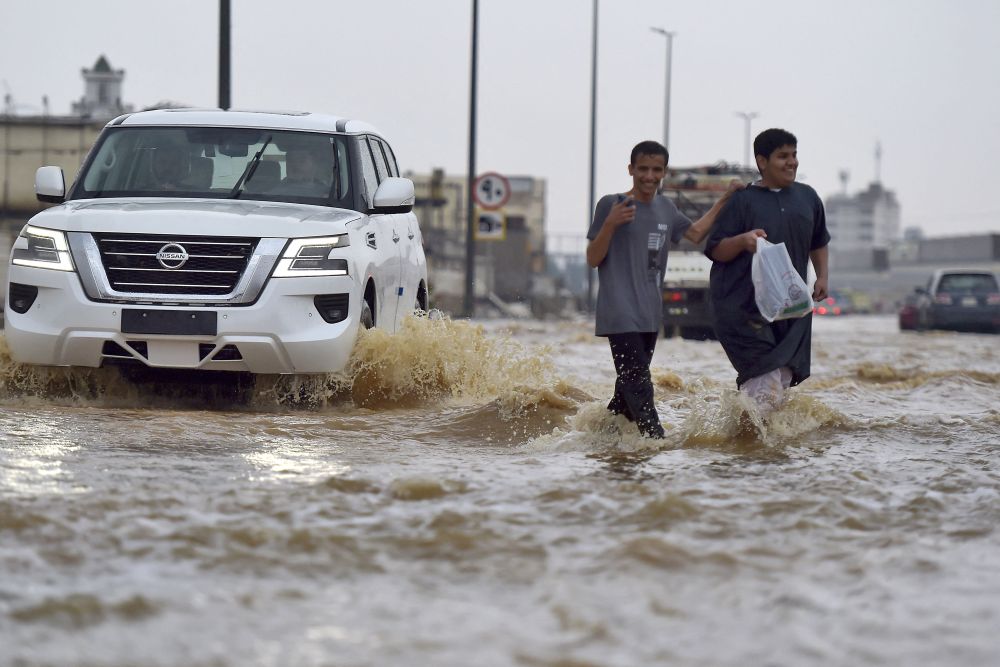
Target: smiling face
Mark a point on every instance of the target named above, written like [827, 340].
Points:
[778, 170]
[647, 171]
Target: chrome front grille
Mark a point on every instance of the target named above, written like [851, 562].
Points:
[212, 267]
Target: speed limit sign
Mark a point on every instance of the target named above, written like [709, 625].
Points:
[491, 190]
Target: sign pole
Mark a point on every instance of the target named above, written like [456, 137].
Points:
[224, 54]
[470, 218]
[593, 150]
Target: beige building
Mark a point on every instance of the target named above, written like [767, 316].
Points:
[510, 256]
[30, 142]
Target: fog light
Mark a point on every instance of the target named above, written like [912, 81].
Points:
[332, 307]
[21, 297]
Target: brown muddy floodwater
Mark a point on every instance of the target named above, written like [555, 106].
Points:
[461, 498]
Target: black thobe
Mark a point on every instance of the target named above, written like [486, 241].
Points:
[794, 216]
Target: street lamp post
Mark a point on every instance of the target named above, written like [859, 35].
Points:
[593, 145]
[224, 54]
[469, 301]
[666, 101]
[747, 116]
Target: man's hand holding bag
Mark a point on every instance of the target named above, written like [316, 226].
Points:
[780, 292]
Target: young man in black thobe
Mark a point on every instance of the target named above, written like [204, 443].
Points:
[769, 357]
[629, 241]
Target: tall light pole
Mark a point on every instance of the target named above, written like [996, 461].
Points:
[593, 147]
[224, 54]
[469, 302]
[747, 116]
[666, 100]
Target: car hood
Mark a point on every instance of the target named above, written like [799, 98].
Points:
[217, 217]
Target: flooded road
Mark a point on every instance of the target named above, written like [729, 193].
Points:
[461, 497]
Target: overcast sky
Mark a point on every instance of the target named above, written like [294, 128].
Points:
[922, 77]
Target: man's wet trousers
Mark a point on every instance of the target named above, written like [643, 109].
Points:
[632, 354]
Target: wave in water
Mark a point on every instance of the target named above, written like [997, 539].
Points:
[892, 377]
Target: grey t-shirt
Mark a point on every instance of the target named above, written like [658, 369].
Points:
[629, 295]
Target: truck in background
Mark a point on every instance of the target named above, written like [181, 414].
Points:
[687, 302]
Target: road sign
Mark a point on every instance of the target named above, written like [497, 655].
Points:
[491, 190]
[491, 226]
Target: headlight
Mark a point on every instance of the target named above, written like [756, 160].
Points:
[313, 257]
[42, 248]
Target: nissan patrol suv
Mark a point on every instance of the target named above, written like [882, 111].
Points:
[217, 240]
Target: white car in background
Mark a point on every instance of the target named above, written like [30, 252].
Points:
[194, 239]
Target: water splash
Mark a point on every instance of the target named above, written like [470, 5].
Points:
[429, 360]
[433, 358]
[731, 418]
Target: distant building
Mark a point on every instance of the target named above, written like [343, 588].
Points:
[102, 95]
[28, 142]
[959, 250]
[509, 259]
[864, 227]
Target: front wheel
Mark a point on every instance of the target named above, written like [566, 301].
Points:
[367, 319]
[422, 303]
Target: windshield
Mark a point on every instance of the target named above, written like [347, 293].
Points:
[968, 283]
[219, 162]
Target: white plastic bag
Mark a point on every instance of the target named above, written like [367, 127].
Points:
[780, 292]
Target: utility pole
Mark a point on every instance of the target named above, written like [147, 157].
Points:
[666, 100]
[224, 51]
[747, 116]
[468, 305]
[593, 148]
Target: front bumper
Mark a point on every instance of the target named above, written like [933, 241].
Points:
[282, 332]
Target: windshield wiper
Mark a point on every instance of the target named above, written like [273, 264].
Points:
[249, 171]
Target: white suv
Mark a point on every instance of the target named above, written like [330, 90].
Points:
[217, 240]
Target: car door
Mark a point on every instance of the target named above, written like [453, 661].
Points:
[381, 236]
[410, 243]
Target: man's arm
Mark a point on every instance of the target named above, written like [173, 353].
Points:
[730, 248]
[620, 214]
[696, 232]
[820, 259]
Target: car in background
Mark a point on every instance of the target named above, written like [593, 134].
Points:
[844, 302]
[211, 240]
[960, 300]
[837, 303]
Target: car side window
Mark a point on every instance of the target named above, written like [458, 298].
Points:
[368, 172]
[380, 167]
[390, 158]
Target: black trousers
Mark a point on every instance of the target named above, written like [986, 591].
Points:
[632, 354]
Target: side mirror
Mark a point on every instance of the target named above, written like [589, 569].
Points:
[50, 185]
[394, 195]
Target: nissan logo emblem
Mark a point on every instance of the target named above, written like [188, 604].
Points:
[172, 256]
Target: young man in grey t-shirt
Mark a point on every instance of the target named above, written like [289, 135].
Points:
[629, 241]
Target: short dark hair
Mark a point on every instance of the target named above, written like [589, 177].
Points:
[771, 140]
[649, 148]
